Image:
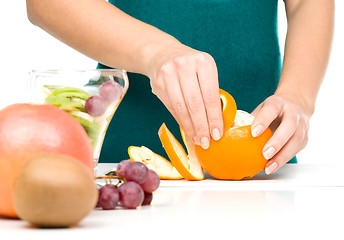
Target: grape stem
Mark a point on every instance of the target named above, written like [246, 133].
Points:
[108, 178]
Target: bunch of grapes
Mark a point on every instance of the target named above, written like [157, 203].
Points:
[108, 92]
[137, 188]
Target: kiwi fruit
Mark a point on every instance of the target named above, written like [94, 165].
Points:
[64, 100]
[56, 91]
[80, 95]
[54, 191]
[68, 97]
[72, 99]
[91, 129]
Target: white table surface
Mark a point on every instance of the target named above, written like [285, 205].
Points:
[300, 201]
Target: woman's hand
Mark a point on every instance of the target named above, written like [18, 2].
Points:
[288, 119]
[186, 81]
[289, 110]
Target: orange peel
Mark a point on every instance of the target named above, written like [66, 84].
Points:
[186, 164]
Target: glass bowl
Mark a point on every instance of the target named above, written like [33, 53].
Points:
[90, 96]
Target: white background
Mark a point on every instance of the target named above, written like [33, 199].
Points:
[25, 47]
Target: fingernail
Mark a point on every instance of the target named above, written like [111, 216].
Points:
[216, 135]
[195, 140]
[269, 153]
[257, 130]
[271, 168]
[205, 142]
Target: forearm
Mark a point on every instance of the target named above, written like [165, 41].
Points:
[100, 30]
[307, 49]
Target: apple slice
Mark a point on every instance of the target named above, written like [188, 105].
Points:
[186, 164]
[154, 161]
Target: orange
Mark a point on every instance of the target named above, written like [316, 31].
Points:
[237, 155]
[154, 161]
[27, 131]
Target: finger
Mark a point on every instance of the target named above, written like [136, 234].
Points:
[166, 101]
[160, 91]
[195, 105]
[169, 107]
[283, 133]
[209, 85]
[269, 111]
[290, 149]
[176, 103]
[305, 140]
[256, 110]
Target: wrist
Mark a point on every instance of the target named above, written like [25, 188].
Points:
[154, 53]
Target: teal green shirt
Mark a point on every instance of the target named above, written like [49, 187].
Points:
[241, 36]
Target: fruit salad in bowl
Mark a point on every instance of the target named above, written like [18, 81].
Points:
[90, 96]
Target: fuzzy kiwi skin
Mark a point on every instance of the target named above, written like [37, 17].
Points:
[54, 191]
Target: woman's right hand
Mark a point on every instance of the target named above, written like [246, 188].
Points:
[186, 81]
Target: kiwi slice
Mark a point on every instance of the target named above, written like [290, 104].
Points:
[69, 109]
[81, 95]
[73, 99]
[51, 87]
[91, 129]
[52, 100]
[67, 89]
[65, 102]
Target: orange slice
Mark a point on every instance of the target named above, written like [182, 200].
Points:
[154, 161]
[186, 164]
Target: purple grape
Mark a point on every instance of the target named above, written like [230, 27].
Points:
[95, 106]
[148, 197]
[136, 171]
[131, 195]
[110, 91]
[121, 166]
[108, 197]
[152, 183]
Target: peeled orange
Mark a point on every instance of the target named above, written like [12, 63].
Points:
[237, 155]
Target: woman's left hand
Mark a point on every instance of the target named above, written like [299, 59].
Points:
[288, 119]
